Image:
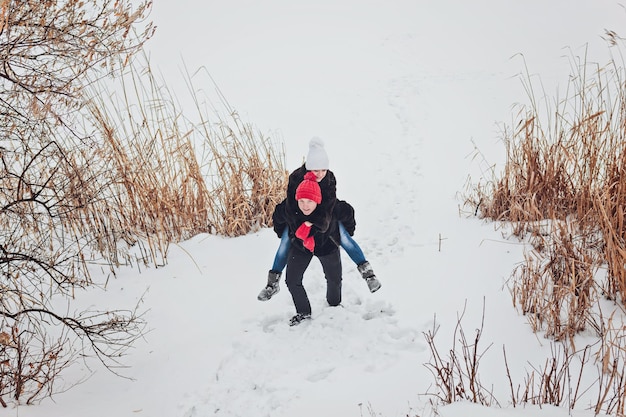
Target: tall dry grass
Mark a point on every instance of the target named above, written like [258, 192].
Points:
[244, 169]
[563, 190]
[168, 178]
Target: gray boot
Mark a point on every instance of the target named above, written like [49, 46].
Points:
[272, 287]
[368, 275]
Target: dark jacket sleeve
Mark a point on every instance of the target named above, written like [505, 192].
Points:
[279, 218]
[344, 213]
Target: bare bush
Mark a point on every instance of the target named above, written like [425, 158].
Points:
[50, 50]
[456, 376]
[37, 344]
[557, 382]
[28, 367]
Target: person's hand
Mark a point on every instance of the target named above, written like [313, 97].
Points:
[303, 234]
[309, 243]
[303, 231]
[308, 223]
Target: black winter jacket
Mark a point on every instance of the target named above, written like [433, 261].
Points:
[326, 241]
[328, 185]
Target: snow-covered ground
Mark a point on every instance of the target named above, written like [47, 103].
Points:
[400, 91]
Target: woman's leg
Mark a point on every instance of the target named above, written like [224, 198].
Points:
[280, 260]
[356, 254]
[350, 246]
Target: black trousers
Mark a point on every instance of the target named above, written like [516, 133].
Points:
[297, 263]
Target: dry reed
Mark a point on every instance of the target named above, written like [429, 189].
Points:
[169, 179]
[563, 190]
[564, 171]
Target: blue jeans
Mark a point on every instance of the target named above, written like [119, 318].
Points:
[347, 243]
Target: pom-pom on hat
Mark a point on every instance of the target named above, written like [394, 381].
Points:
[317, 158]
[309, 188]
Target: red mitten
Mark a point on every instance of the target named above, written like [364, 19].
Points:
[309, 243]
[303, 231]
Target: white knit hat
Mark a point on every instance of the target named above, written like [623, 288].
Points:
[317, 157]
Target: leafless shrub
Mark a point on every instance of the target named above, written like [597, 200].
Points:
[456, 376]
[27, 367]
[37, 344]
[50, 50]
[555, 382]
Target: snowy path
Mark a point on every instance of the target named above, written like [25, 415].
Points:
[337, 361]
[277, 370]
[334, 361]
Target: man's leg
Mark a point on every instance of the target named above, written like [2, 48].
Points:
[296, 265]
[332, 270]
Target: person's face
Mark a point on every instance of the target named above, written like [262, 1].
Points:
[307, 206]
[319, 174]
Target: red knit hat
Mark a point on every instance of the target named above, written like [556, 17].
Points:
[309, 188]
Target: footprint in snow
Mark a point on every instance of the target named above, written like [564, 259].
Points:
[320, 375]
[269, 323]
[378, 309]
